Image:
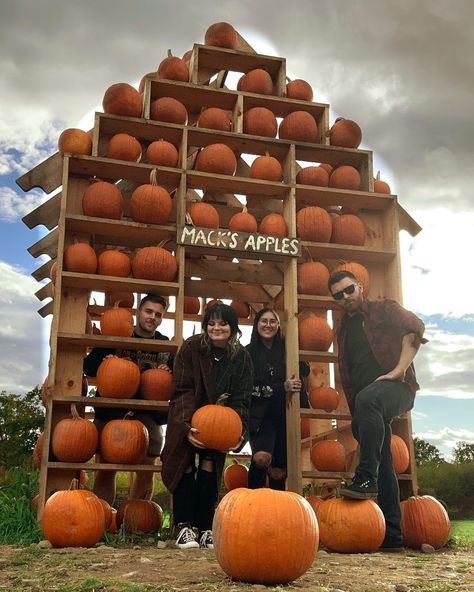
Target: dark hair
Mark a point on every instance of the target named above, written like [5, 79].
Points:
[153, 298]
[255, 338]
[229, 316]
[337, 276]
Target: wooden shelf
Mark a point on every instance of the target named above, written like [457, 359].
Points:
[103, 467]
[310, 356]
[239, 185]
[104, 283]
[308, 301]
[342, 476]
[307, 195]
[320, 414]
[110, 403]
[146, 129]
[106, 341]
[347, 252]
[48, 245]
[47, 213]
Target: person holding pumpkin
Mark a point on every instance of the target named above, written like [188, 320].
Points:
[377, 343]
[267, 423]
[149, 316]
[207, 366]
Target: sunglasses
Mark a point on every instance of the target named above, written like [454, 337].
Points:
[347, 290]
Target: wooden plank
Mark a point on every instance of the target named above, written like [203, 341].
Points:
[47, 213]
[407, 222]
[144, 129]
[106, 341]
[47, 245]
[46, 291]
[47, 175]
[226, 290]
[319, 414]
[104, 467]
[239, 185]
[334, 155]
[349, 253]
[47, 309]
[110, 403]
[309, 302]
[310, 356]
[264, 273]
[103, 283]
[218, 58]
[327, 196]
[44, 271]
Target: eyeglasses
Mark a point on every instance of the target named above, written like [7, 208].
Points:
[347, 290]
[271, 322]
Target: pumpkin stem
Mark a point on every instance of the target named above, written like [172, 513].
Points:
[378, 176]
[188, 218]
[170, 55]
[222, 399]
[74, 484]
[153, 177]
[128, 415]
[267, 153]
[74, 412]
[308, 252]
[288, 79]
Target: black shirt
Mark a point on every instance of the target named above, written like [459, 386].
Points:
[363, 367]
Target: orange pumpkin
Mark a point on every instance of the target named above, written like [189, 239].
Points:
[154, 263]
[38, 451]
[400, 454]
[173, 68]
[151, 204]
[314, 224]
[345, 133]
[169, 110]
[242, 309]
[256, 81]
[313, 175]
[203, 214]
[74, 141]
[140, 516]
[216, 158]
[239, 517]
[315, 501]
[73, 518]
[260, 121]
[381, 186]
[345, 177]
[313, 278]
[216, 119]
[273, 225]
[74, 439]
[351, 527]
[236, 475]
[117, 322]
[360, 272]
[348, 229]
[124, 441]
[118, 378]
[103, 200]
[267, 168]
[424, 521]
[80, 258]
[122, 99]
[243, 222]
[156, 384]
[162, 153]
[122, 299]
[144, 79]
[315, 334]
[221, 35]
[124, 147]
[328, 455]
[305, 427]
[187, 56]
[299, 126]
[299, 89]
[191, 305]
[107, 513]
[211, 302]
[219, 427]
[324, 397]
[327, 167]
[114, 262]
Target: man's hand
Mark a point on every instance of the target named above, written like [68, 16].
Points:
[395, 374]
[192, 440]
[164, 367]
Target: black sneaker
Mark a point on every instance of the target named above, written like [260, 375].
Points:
[392, 546]
[205, 540]
[360, 489]
[186, 539]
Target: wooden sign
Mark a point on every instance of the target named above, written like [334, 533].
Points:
[230, 240]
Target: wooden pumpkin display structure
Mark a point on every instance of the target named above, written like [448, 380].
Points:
[238, 542]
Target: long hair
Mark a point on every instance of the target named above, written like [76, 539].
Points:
[229, 316]
[255, 339]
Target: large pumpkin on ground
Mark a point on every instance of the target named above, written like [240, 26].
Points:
[124, 441]
[313, 278]
[328, 455]
[122, 99]
[315, 334]
[400, 454]
[314, 224]
[299, 126]
[156, 384]
[244, 516]
[216, 158]
[117, 378]
[140, 516]
[350, 526]
[424, 521]
[154, 263]
[73, 518]
[219, 427]
[74, 439]
[236, 475]
[103, 200]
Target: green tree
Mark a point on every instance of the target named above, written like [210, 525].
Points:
[426, 453]
[21, 422]
[463, 452]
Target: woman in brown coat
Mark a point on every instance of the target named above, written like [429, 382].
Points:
[206, 366]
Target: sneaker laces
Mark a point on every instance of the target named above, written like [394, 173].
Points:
[186, 535]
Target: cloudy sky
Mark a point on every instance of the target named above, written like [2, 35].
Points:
[403, 69]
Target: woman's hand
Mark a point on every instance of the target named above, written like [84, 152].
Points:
[236, 447]
[292, 385]
[192, 440]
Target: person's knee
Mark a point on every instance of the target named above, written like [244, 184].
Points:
[262, 459]
[207, 465]
[277, 473]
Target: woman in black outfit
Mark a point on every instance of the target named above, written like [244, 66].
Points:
[267, 421]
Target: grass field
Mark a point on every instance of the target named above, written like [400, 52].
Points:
[462, 533]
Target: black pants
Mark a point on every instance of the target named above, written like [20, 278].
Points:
[375, 408]
[195, 497]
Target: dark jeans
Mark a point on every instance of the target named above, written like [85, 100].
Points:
[375, 408]
[195, 498]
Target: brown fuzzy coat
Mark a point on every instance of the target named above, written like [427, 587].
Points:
[194, 385]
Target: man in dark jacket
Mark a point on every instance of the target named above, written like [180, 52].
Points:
[377, 342]
[149, 316]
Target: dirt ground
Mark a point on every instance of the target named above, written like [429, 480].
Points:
[150, 568]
